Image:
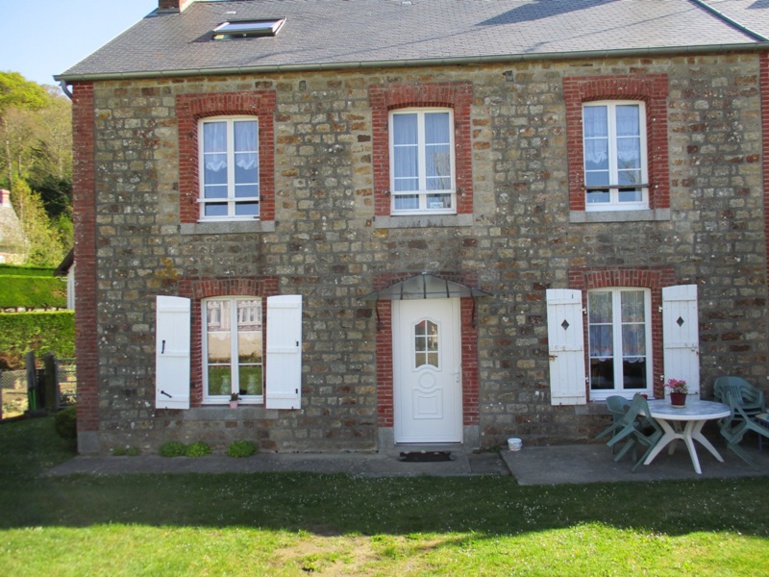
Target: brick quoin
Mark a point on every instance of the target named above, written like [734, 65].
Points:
[652, 89]
[653, 278]
[455, 95]
[384, 344]
[201, 288]
[764, 88]
[84, 204]
[190, 109]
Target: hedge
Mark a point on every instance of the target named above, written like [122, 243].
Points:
[40, 332]
[19, 270]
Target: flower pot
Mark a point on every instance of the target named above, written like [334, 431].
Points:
[233, 404]
[678, 399]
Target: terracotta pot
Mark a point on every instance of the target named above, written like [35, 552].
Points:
[678, 399]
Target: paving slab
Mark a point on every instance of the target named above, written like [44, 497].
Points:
[594, 463]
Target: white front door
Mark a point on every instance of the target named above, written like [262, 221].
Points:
[427, 395]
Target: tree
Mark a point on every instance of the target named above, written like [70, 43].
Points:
[45, 246]
[16, 93]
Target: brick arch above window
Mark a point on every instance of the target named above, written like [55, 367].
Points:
[190, 108]
[652, 89]
[455, 95]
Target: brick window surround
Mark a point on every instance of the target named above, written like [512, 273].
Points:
[384, 357]
[653, 278]
[455, 95]
[197, 290]
[190, 108]
[652, 89]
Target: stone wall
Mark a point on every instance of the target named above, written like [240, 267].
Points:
[328, 244]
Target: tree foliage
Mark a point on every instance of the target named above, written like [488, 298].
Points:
[36, 163]
[46, 244]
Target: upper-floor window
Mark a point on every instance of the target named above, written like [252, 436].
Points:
[422, 161]
[614, 149]
[229, 168]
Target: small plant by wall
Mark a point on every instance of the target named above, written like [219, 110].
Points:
[241, 449]
[172, 449]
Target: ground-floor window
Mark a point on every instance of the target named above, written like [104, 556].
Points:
[619, 341]
[232, 349]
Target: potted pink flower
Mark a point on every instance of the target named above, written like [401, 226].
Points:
[234, 398]
[678, 391]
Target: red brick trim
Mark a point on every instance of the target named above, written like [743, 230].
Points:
[199, 289]
[384, 347]
[84, 203]
[764, 90]
[653, 278]
[649, 88]
[190, 108]
[455, 95]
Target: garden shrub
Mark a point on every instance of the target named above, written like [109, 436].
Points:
[172, 449]
[65, 422]
[36, 331]
[198, 449]
[241, 448]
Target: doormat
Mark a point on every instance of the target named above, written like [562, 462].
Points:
[426, 456]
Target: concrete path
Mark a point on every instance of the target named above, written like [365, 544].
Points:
[360, 464]
[550, 465]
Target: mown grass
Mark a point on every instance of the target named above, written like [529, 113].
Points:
[299, 523]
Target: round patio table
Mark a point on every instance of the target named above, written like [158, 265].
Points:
[693, 417]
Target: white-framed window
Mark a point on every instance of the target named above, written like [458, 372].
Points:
[615, 155]
[229, 168]
[422, 174]
[619, 341]
[232, 349]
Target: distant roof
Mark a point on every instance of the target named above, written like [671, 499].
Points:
[355, 33]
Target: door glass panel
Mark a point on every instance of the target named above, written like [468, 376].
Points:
[426, 344]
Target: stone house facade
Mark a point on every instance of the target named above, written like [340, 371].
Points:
[509, 296]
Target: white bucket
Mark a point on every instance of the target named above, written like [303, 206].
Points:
[514, 444]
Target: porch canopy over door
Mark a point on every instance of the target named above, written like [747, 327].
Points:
[424, 286]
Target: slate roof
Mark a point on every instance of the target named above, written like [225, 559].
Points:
[751, 14]
[352, 33]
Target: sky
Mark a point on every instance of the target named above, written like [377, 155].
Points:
[41, 38]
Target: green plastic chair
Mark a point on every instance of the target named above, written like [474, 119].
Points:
[617, 406]
[749, 397]
[629, 428]
[739, 422]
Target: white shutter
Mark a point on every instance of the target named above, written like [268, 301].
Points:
[680, 334]
[566, 346]
[172, 353]
[284, 352]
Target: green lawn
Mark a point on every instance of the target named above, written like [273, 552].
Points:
[298, 523]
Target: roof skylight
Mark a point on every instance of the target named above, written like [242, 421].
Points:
[248, 28]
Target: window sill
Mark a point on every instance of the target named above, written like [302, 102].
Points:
[219, 413]
[579, 216]
[424, 221]
[228, 227]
